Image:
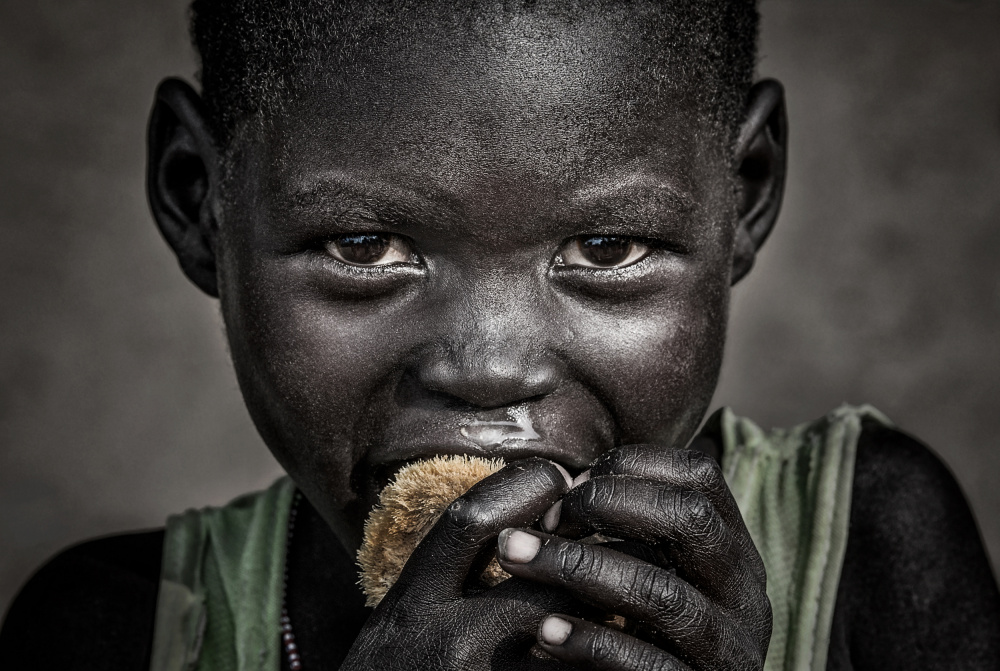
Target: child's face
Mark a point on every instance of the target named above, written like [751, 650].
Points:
[455, 182]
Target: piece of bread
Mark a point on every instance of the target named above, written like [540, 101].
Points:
[408, 508]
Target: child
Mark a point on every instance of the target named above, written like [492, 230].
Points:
[426, 218]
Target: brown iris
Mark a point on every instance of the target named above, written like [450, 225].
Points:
[364, 249]
[605, 250]
[371, 249]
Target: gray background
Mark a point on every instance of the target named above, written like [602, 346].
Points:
[881, 284]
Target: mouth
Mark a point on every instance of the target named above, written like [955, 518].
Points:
[384, 472]
[571, 432]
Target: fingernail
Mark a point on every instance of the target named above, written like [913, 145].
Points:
[551, 518]
[580, 479]
[565, 474]
[555, 630]
[517, 546]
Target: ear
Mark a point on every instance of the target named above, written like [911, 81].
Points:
[761, 160]
[182, 174]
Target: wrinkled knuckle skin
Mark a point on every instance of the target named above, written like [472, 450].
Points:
[603, 645]
[611, 492]
[670, 603]
[542, 469]
[756, 564]
[591, 497]
[704, 470]
[700, 515]
[663, 595]
[575, 562]
[619, 460]
[762, 620]
[648, 659]
[745, 654]
[466, 516]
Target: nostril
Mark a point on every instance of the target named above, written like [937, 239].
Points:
[476, 385]
[432, 398]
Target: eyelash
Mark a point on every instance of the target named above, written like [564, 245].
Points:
[401, 246]
[652, 249]
[571, 255]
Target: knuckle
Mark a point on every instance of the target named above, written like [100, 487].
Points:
[704, 470]
[574, 562]
[608, 462]
[467, 514]
[656, 590]
[746, 652]
[605, 644]
[620, 459]
[700, 514]
[668, 600]
[761, 617]
[543, 468]
[597, 495]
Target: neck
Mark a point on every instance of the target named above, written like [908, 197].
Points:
[324, 602]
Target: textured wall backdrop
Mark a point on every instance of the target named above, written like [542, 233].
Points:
[881, 284]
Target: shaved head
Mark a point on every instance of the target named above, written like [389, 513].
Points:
[257, 55]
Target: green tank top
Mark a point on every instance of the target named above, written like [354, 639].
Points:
[221, 582]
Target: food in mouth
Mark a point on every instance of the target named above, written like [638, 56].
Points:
[407, 509]
[410, 505]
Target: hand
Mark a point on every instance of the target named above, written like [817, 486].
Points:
[434, 617]
[699, 604]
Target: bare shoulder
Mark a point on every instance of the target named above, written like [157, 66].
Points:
[89, 607]
[917, 590]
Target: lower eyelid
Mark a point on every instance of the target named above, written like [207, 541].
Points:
[330, 264]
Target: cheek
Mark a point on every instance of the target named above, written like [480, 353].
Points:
[312, 372]
[656, 364]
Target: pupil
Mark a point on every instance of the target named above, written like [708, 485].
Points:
[363, 249]
[604, 250]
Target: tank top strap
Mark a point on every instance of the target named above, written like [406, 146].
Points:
[219, 599]
[793, 487]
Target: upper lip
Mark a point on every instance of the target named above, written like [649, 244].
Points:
[510, 450]
[571, 432]
[385, 463]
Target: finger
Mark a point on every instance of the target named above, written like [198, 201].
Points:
[682, 524]
[684, 469]
[586, 645]
[641, 592]
[517, 495]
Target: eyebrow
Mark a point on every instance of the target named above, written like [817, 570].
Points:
[337, 193]
[636, 199]
[628, 185]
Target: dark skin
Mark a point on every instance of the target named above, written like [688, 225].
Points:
[433, 251]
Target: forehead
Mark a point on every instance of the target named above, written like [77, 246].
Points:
[494, 101]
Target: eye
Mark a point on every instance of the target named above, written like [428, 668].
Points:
[602, 251]
[371, 249]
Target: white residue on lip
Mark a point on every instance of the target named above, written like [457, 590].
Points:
[488, 434]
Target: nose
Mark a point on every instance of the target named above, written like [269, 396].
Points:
[486, 375]
[492, 352]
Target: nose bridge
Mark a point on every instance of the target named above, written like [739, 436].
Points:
[492, 344]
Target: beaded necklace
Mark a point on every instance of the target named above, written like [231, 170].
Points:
[287, 636]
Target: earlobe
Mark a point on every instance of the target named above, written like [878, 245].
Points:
[761, 156]
[182, 179]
